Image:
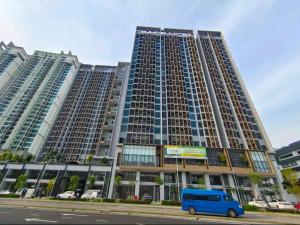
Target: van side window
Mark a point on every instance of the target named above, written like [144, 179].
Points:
[195, 197]
[228, 198]
[214, 197]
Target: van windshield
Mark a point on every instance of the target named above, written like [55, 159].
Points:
[228, 198]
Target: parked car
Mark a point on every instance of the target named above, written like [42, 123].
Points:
[210, 202]
[258, 203]
[67, 195]
[6, 192]
[92, 194]
[297, 205]
[280, 204]
[29, 193]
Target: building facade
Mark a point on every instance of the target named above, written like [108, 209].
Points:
[180, 92]
[186, 91]
[32, 99]
[11, 57]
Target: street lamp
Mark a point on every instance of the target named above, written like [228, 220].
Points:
[177, 176]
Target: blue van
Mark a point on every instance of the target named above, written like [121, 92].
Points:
[210, 202]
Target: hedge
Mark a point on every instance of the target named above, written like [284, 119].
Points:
[135, 201]
[250, 208]
[108, 200]
[172, 203]
[283, 210]
[10, 196]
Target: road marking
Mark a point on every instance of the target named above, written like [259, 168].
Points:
[71, 214]
[4, 212]
[104, 221]
[39, 220]
[139, 224]
[33, 214]
[65, 217]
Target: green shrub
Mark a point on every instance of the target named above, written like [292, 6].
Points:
[283, 210]
[135, 201]
[250, 208]
[172, 203]
[10, 196]
[97, 200]
[108, 200]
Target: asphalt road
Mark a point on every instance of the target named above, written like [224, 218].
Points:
[18, 215]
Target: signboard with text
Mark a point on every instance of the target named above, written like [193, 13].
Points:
[189, 152]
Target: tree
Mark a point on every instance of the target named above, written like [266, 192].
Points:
[50, 186]
[158, 180]
[117, 183]
[222, 158]
[291, 182]
[7, 155]
[29, 157]
[89, 158]
[91, 180]
[21, 181]
[256, 179]
[74, 182]
[104, 161]
[131, 186]
[201, 183]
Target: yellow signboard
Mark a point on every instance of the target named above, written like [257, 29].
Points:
[190, 152]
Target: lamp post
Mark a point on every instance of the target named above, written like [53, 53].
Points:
[177, 176]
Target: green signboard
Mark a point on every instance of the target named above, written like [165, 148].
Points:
[189, 152]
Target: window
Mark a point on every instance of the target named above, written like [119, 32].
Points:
[201, 197]
[286, 156]
[228, 198]
[260, 162]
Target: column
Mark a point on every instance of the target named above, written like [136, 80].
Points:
[137, 184]
[207, 181]
[183, 177]
[161, 187]
[233, 187]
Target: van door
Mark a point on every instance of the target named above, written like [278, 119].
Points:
[202, 204]
[214, 204]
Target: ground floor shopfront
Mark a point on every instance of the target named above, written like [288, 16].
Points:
[133, 184]
[145, 185]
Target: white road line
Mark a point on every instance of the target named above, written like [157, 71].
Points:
[4, 212]
[65, 217]
[39, 220]
[104, 221]
[71, 214]
[139, 224]
[33, 214]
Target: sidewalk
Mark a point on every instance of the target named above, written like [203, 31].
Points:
[158, 210]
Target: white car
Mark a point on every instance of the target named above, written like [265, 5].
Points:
[280, 204]
[258, 203]
[67, 195]
[6, 192]
[92, 194]
[29, 193]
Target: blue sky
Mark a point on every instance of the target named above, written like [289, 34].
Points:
[263, 35]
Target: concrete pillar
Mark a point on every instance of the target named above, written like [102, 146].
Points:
[232, 185]
[183, 177]
[137, 184]
[207, 182]
[162, 187]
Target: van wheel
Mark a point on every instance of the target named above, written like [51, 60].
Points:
[192, 210]
[231, 213]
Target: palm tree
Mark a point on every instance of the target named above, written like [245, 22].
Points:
[117, 183]
[256, 179]
[89, 158]
[91, 180]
